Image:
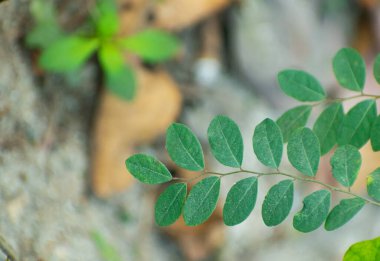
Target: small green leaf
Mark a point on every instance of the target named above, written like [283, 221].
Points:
[301, 85]
[152, 45]
[327, 125]
[278, 203]
[343, 212]
[368, 250]
[120, 79]
[201, 201]
[304, 151]
[226, 141]
[345, 164]
[356, 126]
[147, 169]
[349, 69]
[267, 143]
[241, 200]
[375, 135]
[376, 68]
[373, 184]
[314, 212]
[67, 54]
[106, 250]
[107, 20]
[184, 147]
[170, 203]
[293, 119]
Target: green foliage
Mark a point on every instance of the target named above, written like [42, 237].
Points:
[345, 164]
[349, 69]
[147, 169]
[349, 132]
[343, 212]
[304, 151]
[241, 200]
[356, 125]
[184, 147]
[293, 119]
[314, 212]
[170, 203]
[376, 68]
[226, 141]
[278, 203]
[201, 201]
[373, 184]
[368, 250]
[375, 134]
[106, 250]
[267, 143]
[65, 53]
[327, 125]
[301, 85]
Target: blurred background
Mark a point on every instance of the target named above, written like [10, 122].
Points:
[64, 191]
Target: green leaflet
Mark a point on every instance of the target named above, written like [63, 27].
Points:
[107, 22]
[120, 79]
[147, 169]
[68, 54]
[301, 85]
[345, 164]
[373, 184]
[356, 126]
[226, 141]
[376, 68]
[293, 119]
[314, 212]
[375, 135]
[327, 125]
[201, 201]
[368, 250]
[304, 151]
[349, 69]
[169, 204]
[343, 212]
[278, 203]
[106, 250]
[184, 147]
[241, 200]
[267, 143]
[152, 45]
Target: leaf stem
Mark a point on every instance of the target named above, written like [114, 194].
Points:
[361, 95]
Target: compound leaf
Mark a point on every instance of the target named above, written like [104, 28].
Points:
[356, 126]
[314, 212]
[184, 147]
[373, 184]
[120, 79]
[304, 151]
[152, 45]
[147, 169]
[201, 201]
[343, 212]
[349, 69]
[368, 250]
[293, 119]
[67, 54]
[169, 204]
[345, 164]
[301, 85]
[241, 200]
[375, 135]
[278, 203]
[226, 141]
[327, 125]
[267, 143]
